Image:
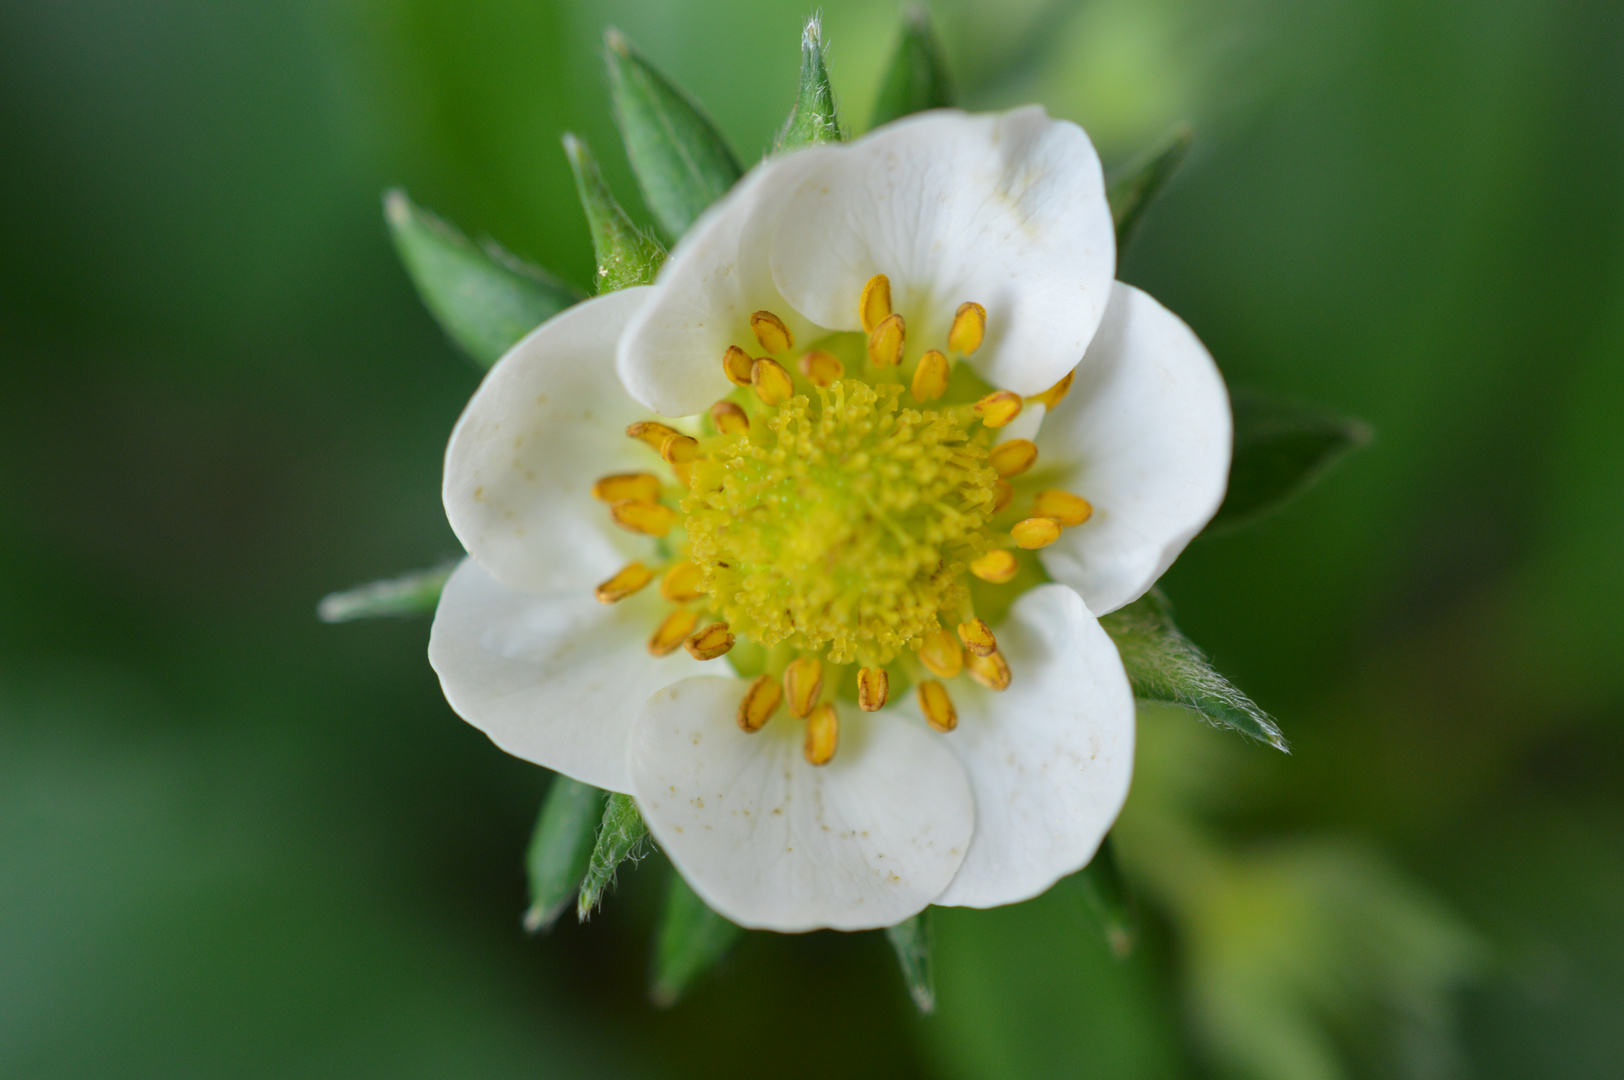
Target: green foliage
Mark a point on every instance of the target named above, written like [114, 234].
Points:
[911, 939]
[1164, 665]
[416, 593]
[483, 298]
[1100, 888]
[560, 849]
[682, 162]
[692, 939]
[917, 78]
[1280, 451]
[814, 118]
[620, 837]
[626, 254]
[1131, 188]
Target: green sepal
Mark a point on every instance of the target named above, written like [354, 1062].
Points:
[1281, 450]
[911, 939]
[415, 593]
[626, 254]
[620, 834]
[1163, 665]
[1130, 188]
[917, 78]
[692, 939]
[814, 118]
[681, 161]
[560, 849]
[484, 298]
[1101, 890]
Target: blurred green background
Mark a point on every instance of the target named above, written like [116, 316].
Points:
[235, 842]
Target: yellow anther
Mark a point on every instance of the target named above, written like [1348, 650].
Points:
[681, 583]
[873, 687]
[1002, 496]
[736, 363]
[772, 382]
[937, 706]
[941, 653]
[760, 702]
[771, 332]
[677, 626]
[821, 368]
[679, 449]
[1013, 457]
[990, 671]
[651, 431]
[822, 734]
[1035, 532]
[886, 341]
[642, 486]
[977, 637]
[632, 576]
[969, 327]
[1051, 397]
[710, 642]
[999, 408]
[930, 377]
[875, 303]
[996, 566]
[1063, 506]
[648, 518]
[729, 418]
[803, 683]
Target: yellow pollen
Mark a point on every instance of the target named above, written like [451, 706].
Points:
[990, 671]
[632, 576]
[679, 449]
[682, 583]
[937, 706]
[803, 685]
[651, 431]
[648, 518]
[773, 384]
[941, 654]
[642, 486]
[670, 633]
[999, 408]
[977, 637]
[969, 327]
[760, 702]
[729, 418]
[875, 303]
[873, 687]
[1051, 397]
[996, 566]
[771, 332]
[886, 341]
[1063, 506]
[822, 735]
[710, 642]
[821, 369]
[1013, 457]
[930, 377]
[736, 364]
[1002, 496]
[1035, 532]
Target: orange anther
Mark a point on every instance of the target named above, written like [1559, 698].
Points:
[760, 702]
[773, 384]
[736, 364]
[937, 706]
[803, 684]
[998, 408]
[977, 637]
[930, 377]
[875, 303]
[670, 633]
[1063, 506]
[821, 368]
[996, 566]
[941, 653]
[681, 583]
[642, 486]
[651, 431]
[729, 418]
[710, 642]
[822, 734]
[1051, 397]
[969, 327]
[873, 687]
[990, 671]
[1035, 532]
[648, 518]
[771, 332]
[679, 449]
[886, 341]
[1013, 457]
[632, 576]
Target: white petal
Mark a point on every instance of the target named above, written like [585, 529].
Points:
[774, 843]
[1050, 758]
[1007, 210]
[671, 356]
[557, 680]
[548, 420]
[1145, 436]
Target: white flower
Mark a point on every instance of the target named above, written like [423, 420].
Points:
[853, 496]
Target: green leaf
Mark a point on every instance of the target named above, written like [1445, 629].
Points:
[1281, 450]
[1130, 188]
[626, 254]
[1100, 888]
[620, 836]
[912, 939]
[560, 849]
[692, 940]
[681, 161]
[917, 79]
[410, 594]
[1163, 665]
[814, 118]
[483, 298]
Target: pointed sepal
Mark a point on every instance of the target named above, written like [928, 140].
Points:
[1131, 188]
[691, 941]
[814, 118]
[626, 254]
[560, 849]
[1101, 890]
[1281, 450]
[917, 78]
[621, 833]
[416, 593]
[911, 939]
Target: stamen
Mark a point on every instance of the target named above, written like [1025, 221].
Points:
[1013, 457]
[1035, 532]
[1002, 495]
[772, 382]
[729, 418]
[822, 735]
[679, 449]
[681, 583]
[1063, 506]
[642, 486]
[677, 626]
[760, 702]
[821, 368]
[977, 637]
[873, 687]
[886, 341]
[996, 566]
[652, 432]
[1051, 397]
[771, 332]
[803, 683]
[736, 363]
[648, 518]
[875, 303]
[930, 377]
[710, 642]
[990, 671]
[969, 327]
[940, 652]
[999, 408]
[937, 706]
[632, 576]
